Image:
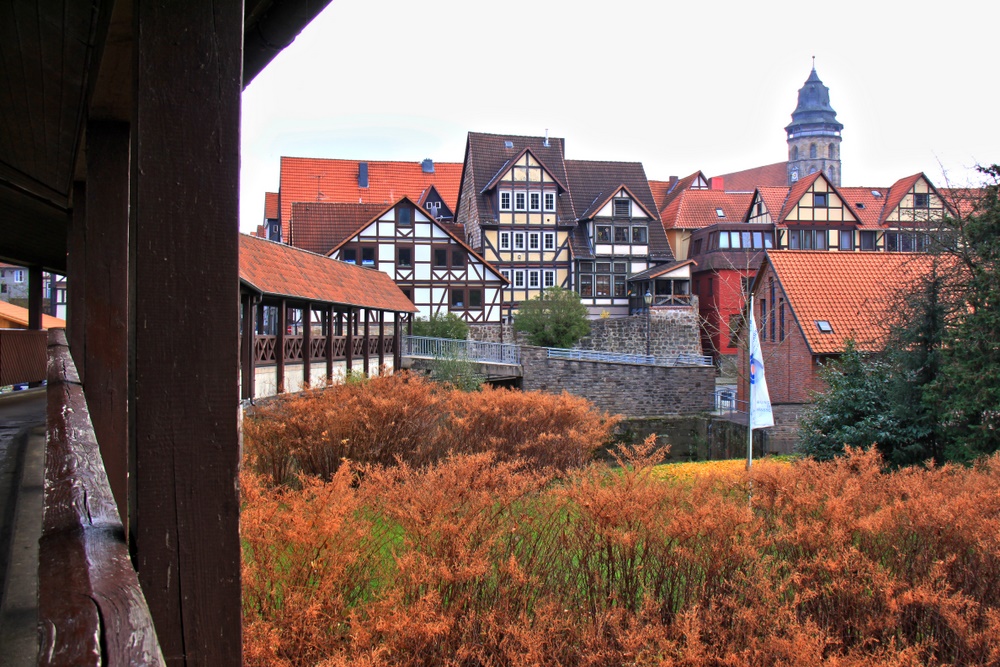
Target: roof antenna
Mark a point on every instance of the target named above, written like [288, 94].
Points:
[546, 144]
[814, 62]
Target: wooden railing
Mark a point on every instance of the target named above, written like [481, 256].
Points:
[265, 348]
[91, 610]
[22, 356]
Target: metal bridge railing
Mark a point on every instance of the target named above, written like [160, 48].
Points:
[468, 350]
[646, 360]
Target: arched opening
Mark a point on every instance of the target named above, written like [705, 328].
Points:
[832, 152]
[795, 153]
[812, 150]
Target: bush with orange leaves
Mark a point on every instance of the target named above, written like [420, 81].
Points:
[405, 417]
[476, 561]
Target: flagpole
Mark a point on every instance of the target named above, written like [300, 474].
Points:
[750, 320]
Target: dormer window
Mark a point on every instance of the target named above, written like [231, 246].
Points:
[622, 208]
[504, 200]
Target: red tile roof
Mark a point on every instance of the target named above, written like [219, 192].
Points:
[774, 199]
[271, 205]
[336, 181]
[856, 292]
[318, 227]
[19, 315]
[795, 194]
[865, 204]
[276, 269]
[664, 192]
[693, 209]
[962, 200]
[896, 194]
[770, 175]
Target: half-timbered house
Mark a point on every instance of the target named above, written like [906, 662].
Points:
[515, 206]
[432, 266]
[618, 233]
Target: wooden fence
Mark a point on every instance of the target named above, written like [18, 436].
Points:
[22, 356]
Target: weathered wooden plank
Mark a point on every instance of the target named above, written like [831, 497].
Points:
[91, 608]
[184, 395]
[106, 297]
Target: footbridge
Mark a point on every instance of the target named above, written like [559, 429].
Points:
[495, 362]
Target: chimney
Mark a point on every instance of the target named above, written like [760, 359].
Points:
[672, 183]
[546, 143]
[427, 166]
[717, 183]
[362, 174]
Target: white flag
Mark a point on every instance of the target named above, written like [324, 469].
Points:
[760, 401]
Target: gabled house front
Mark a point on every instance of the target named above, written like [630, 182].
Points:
[431, 265]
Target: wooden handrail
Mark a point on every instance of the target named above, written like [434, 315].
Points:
[91, 609]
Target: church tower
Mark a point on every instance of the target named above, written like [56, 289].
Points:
[814, 133]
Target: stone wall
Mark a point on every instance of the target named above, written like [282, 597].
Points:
[671, 331]
[633, 390]
[493, 333]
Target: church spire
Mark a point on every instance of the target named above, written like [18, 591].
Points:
[814, 133]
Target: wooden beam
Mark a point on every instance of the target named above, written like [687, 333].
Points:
[184, 397]
[397, 336]
[247, 338]
[306, 342]
[365, 346]
[76, 279]
[349, 343]
[381, 341]
[328, 328]
[105, 295]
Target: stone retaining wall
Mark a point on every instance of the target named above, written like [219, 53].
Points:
[671, 331]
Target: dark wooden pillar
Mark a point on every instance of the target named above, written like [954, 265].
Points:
[349, 343]
[35, 297]
[381, 341]
[409, 324]
[306, 342]
[366, 347]
[328, 328]
[76, 279]
[106, 299]
[279, 347]
[397, 336]
[247, 340]
[184, 293]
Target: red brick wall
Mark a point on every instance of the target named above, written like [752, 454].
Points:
[717, 304]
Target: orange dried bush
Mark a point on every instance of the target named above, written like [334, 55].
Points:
[404, 417]
[476, 560]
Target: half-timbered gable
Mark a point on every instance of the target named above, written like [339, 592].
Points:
[665, 194]
[435, 205]
[913, 210]
[435, 268]
[517, 212]
[816, 217]
[618, 235]
[766, 205]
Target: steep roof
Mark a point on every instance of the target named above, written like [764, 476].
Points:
[19, 315]
[774, 199]
[666, 191]
[593, 183]
[693, 209]
[318, 227]
[277, 269]
[488, 155]
[769, 175]
[896, 194]
[867, 206]
[864, 301]
[795, 194]
[271, 202]
[336, 181]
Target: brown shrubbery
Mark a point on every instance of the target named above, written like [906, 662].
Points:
[480, 559]
[403, 417]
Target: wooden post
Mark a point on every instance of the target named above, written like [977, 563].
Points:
[328, 328]
[381, 341]
[185, 289]
[306, 343]
[397, 336]
[279, 346]
[365, 347]
[106, 299]
[247, 346]
[76, 279]
[349, 347]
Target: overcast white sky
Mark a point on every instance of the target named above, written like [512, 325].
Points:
[678, 86]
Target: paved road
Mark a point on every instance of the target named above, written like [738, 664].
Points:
[22, 442]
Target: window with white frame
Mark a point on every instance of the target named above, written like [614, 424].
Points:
[534, 201]
[518, 240]
[520, 199]
[549, 241]
[506, 274]
[504, 200]
[533, 240]
[533, 279]
[519, 279]
[505, 240]
[19, 276]
[550, 201]
[549, 278]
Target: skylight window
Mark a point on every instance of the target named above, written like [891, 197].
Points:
[824, 326]
[720, 213]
